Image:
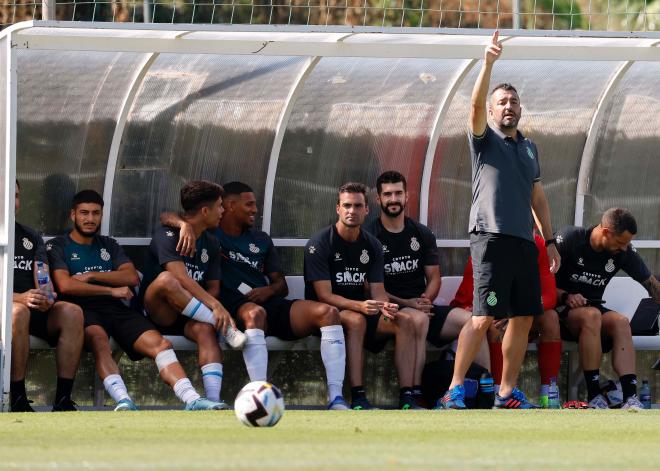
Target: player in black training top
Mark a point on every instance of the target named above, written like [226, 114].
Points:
[412, 273]
[94, 272]
[590, 259]
[344, 268]
[58, 322]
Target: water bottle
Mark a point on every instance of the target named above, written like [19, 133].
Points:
[553, 394]
[645, 394]
[43, 280]
[486, 393]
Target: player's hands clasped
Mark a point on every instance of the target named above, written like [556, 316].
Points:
[390, 310]
[371, 307]
[422, 303]
[494, 49]
[122, 292]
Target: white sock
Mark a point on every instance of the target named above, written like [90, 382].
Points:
[198, 311]
[333, 353]
[116, 387]
[184, 390]
[255, 354]
[212, 378]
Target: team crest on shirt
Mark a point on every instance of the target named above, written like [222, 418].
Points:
[169, 234]
[312, 249]
[105, 256]
[414, 245]
[530, 153]
[364, 258]
[205, 256]
[254, 249]
[609, 266]
[27, 244]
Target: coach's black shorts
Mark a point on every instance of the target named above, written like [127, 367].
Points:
[177, 328]
[506, 276]
[606, 343]
[372, 342]
[121, 323]
[437, 321]
[39, 326]
[278, 316]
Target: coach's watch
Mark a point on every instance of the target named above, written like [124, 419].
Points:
[549, 242]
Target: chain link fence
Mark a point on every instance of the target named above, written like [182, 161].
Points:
[600, 15]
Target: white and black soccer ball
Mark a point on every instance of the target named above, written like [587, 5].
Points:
[259, 404]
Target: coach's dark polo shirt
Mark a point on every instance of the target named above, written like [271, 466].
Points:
[503, 174]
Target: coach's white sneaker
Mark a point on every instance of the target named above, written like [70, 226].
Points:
[235, 338]
[599, 402]
[632, 403]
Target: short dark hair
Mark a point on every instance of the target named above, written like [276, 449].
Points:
[391, 176]
[619, 220]
[87, 196]
[507, 87]
[353, 187]
[199, 193]
[236, 188]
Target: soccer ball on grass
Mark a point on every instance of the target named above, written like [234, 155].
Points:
[259, 404]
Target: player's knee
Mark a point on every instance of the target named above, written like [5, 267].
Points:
[71, 318]
[421, 321]
[405, 322]
[20, 317]
[480, 323]
[254, 318]
[591, 320]
[621, 328]
[167, 282]
[328, 315]
[354, 323]
[549, 326]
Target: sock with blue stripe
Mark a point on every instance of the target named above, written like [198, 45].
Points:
[196, 310]
[212, 378]
[115, 386]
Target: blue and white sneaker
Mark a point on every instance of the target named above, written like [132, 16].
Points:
[599, 402]
[515, 400]
[632, 403]
[454, 398]
[338, 403]
[126, 405]
[204, 404]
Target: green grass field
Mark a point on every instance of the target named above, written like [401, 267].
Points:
[377, 440]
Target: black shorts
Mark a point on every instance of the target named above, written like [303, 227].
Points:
[121, 323]
[278, 316]
[437, 321]
[606, 343]
[39, 327]
[176, 328]
[506, 276]
[371, 341]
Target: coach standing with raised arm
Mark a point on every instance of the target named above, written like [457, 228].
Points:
[506, 190]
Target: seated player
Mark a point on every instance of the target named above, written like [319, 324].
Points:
[412, 272]
[33, 313]
[344, 268]
[93, 272]
[180, 293]
[591, 257]
[254, 289]
[545, 327]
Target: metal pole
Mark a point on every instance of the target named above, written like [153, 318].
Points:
[516, 13]
[146, 11]
[48, 9]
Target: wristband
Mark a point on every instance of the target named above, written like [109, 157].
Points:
[550, 242]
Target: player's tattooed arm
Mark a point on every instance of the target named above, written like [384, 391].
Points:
[187, 239]
[652, 285]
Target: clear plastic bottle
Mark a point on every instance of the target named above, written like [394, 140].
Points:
[43, 281]
[553, 395]
[645, 394]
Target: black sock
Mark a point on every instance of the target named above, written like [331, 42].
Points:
[64, 387]
[417, 390]
[358, 392]
[593, 385]
[17, 389]
[628, 386]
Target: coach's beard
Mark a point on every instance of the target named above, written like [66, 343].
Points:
[85, 233]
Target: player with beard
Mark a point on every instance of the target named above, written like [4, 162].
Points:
[591, 257]
[254, 290]
[506, 197]
[33, 313]
[93, 272]
[344, 268]
[412, 275]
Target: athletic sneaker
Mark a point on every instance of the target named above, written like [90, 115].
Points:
[65, 405]
[408, 402]
[599, 402]
[338, 403]
[204, 404]
[125, 405]
[515, 400]
[361, 403]
[454, 398]
[235, 338]
[632, 403]
[21, 404]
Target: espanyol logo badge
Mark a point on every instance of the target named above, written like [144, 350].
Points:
[27, 244]
[254, 248]
[205, 256]
[491, 300]
[414, 245]
[609, 267]
[105, 256]
[364, 258]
